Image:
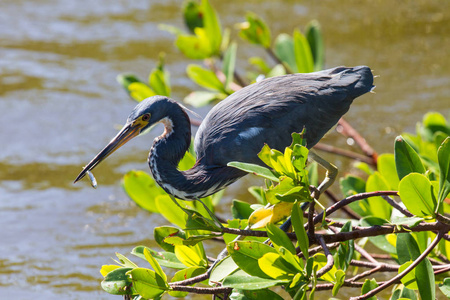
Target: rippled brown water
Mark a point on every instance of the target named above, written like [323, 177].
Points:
[60, 103]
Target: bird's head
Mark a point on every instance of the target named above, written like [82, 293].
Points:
[146, 114]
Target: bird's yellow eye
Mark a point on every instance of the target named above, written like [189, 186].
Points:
[146, 117]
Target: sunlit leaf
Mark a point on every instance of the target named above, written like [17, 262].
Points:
[193, 15]
[346, 249]
[256, 294]
[368, 286]
[154, 263]
[284, 50]
[108, 268]
[386, 166]
[320, 260]
[140, 91]
[340, 279]
[242, 280]
[147, 283]
[205, 78]
[313, 34]
[160, 233]
[195, 46]
[127, 263]
[279, 238]
[202, 98]
[246, 254]
[254, 169]
[125, 79]
[222, 270]
[273, 214]
[189, 256]
[444, 170]
[418, 195]
[170, 210]
[117, 282]
[300, 232]
[276, 267]
[255, 30]
[165, 259]
[229, 62]
[378, 206]
[445, 287]
[240, 209]
[212, 27]
[183, 275]
[142, 189]
[351, 185]
[158, 83]
[406, 159]
[302, 51]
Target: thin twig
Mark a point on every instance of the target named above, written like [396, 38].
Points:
[351, 199]
[330, 260]
[279, 61]
[311, 219]
[192, 280]
[397, 206]
[367, 273]
[342, 152]
[404, 272]
[347, 130]
[384, 267]
[345, 209]
[315, 250]
[201, 290]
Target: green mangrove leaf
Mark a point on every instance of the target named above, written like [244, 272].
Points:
[279, 238]
[242, 280]
[302, 51]
[229, 63]
[276, 267]
[165, 259]
[313, 34]
[444, 169]
[386, 166]
[445, 287]
[300, 232]
[147, 283]
[406, 159]
[205, 78]
[246, 255]
[378, 206]
[240, 209]
[417, 193]
[255, 31]
[158, 83]
[142, 189]
[117, 282]
[222, 270]
[183, 275]
[255, 169]
[284, 50]
[202, 98]
[368, 286]
[193, 15]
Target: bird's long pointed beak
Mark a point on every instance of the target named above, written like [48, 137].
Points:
[129, 131]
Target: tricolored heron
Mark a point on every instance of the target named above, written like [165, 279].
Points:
[236, 129]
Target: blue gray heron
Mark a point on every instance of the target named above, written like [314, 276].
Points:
[236, 129]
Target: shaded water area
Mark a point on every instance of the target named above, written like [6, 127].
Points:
[60, 103]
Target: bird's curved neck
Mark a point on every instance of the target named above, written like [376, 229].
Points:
[167, 151]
